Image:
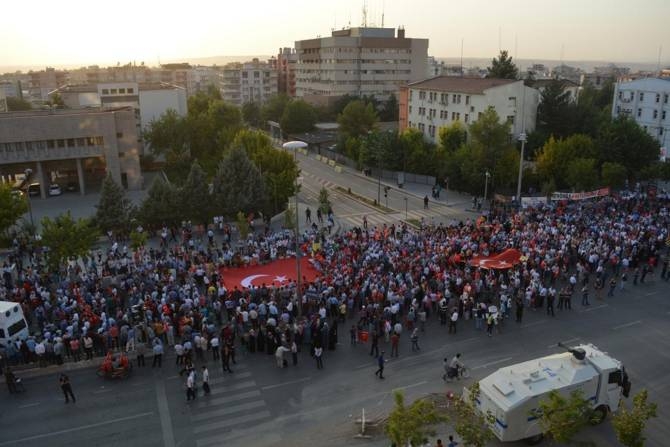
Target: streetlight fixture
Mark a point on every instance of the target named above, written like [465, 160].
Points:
[523, 138]
[295, 146]
[487, 175]
[29, 173]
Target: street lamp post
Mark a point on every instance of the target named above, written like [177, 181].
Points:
[522, 138]
[487, 175]
[405, 207]
[28, 173]
[295, 145]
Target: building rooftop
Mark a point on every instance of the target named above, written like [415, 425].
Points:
[63, 112]
[460, 85]
[93, 88]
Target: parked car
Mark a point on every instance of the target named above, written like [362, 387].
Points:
[55, 190]
[34, 189]
[17, 193]
[72, 186]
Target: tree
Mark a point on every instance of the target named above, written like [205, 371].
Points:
[453, 136]
[381, 150]
[553, 160]
[563, 417]
[238, 185]
[65, 238]
[12, 206]
[298, 117]
[418, 154]
[472, 425]
[138, 239]
[629, 424]
[390, 109]
[161, 206]
[502, 67]
[166, 135]
[114, 208]
[410, 425]
[324, 201]
[18, 104]
[582, 174]
[274, 107]
[194, 197]
[278, 168]
[251, 112]
[613, 175]
[554, 114]
[623, 141]
[357, 119]
[56, 100]
[242, 224]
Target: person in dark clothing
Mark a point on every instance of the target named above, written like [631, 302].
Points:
[519, 309]
[374, 348]
[67, 388]
[380, 363]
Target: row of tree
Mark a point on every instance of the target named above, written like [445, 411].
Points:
[561, 418]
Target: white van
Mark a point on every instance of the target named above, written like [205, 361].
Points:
[13, 324]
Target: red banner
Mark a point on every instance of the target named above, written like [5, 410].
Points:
[278, 273]
[580, 195]
[507, 259]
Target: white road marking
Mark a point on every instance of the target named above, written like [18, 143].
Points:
[632, 323]
[164, 412]
[207, 403]
[227, 423]
[409, 386]
[650, 293]
[80, 428]
[107, 390]
[277, 385]
[492, 363]
[233, 387]
[30, 405]
[228, 378]
[228, 410]
[594, 308]
[532, 324]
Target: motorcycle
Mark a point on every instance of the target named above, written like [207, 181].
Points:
[114, 367]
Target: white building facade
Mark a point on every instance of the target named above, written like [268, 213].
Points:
[434, 103]
[359, 61]
[647, 101]
[253, 81]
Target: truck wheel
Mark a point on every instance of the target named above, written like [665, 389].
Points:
[599, 415]
[534, 440]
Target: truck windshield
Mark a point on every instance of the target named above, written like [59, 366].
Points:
[16, 327]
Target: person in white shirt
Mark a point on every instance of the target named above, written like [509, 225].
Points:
[214, 342]
[190, 386]
[318, 353]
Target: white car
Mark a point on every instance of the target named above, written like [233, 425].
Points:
[55, 190]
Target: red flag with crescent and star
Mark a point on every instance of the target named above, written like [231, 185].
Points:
[277, 273]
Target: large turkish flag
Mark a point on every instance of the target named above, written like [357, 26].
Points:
[505, 260]
[277, 273]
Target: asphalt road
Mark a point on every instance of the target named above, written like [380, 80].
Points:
[262, 405]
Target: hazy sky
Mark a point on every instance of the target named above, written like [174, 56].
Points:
[76, 32]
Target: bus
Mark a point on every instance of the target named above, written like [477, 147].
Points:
[13, 324]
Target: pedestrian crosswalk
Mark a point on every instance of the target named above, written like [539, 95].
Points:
[235, 404]
[379, 219]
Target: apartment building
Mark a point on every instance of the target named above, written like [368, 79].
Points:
[253, 81]
[647, 101]
[286, 63]
[42, 82]
[359, 61]
[148, 100]
[433, 103]
[71, 145]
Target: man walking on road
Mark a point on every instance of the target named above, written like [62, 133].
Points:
[318, 354]
[308, 215]
[205, 380]
[158, 353]
[415, 340]
[190, 386]
[374, 348]
[67, 388]
[380, 362]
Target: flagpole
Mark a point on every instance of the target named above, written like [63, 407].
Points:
[295, 145]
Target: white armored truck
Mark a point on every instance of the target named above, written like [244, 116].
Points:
[512, 394]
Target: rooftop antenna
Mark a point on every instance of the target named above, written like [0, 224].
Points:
[383, 5]
[462, 57]
[365, 13]
[658, 64]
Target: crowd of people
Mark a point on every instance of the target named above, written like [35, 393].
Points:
[381, 282]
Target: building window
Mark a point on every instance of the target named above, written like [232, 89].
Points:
[119, 135]
[70, 142]
[655, 114]
[90, 141]
[620, 94]
[512, 101]
[113, 91]
[410, 109]
[60, 143]
[641, 96]
[51, 144]
[81, 142]
[658, 97]
[660, 131]
[639, 113]
[453, 116]
[105, 91]
[130, 91]
[467, 102]
[510, 119]
[467, 117]
[122, 91]
[422, 95]
[665, 98]
[663, 115]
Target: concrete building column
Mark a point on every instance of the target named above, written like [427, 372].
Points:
[80, 175]
[40, 178]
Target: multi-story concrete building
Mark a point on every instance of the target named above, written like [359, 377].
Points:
[359, 61]
[286, 62]
[11, 89]
[647, 101]
[149, 100]
[437, 102]
[45, 81]
[253, 81]
[71, 146]
[3, 101]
